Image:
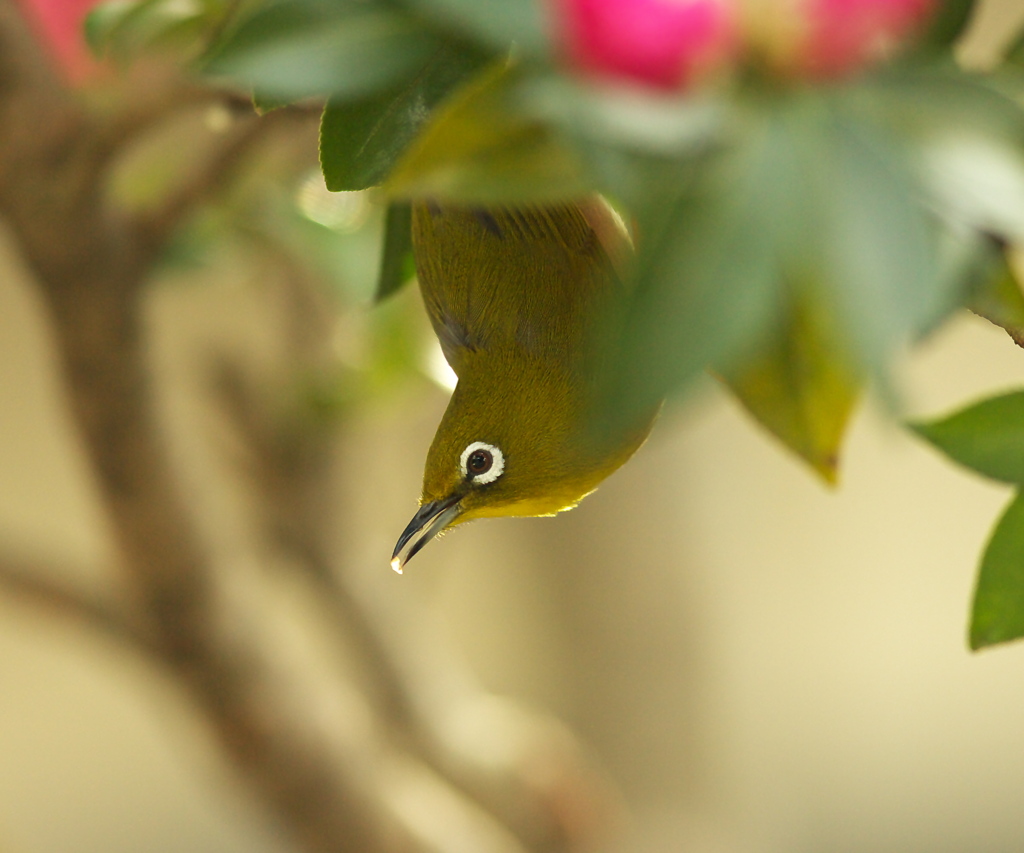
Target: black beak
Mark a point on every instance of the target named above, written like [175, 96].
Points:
[430, 519]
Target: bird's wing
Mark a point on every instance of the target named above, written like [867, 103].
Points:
[512, 278]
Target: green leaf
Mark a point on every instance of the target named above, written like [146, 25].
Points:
[1015, 52]
[495, 23]
[706, 286]
[482, 148]
[396, 266]
[879, 254]
[996, 294]
[801, 388]
[987, 437]
[641, 121]
[123, 28]
[997, 615]
[948, 23]
[922, 100]
[299, 48]
[360, 140]
[102, 21]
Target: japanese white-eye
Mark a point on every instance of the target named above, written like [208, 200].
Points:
[516, 298]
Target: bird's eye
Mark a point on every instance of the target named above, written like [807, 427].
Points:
[479, 462]
[482, 463]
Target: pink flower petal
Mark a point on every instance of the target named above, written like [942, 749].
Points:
[662, 43]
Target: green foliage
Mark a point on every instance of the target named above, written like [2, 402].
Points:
[122, 29]
[801, 388]
[396, 266]
[792, 236]
[948, 24]
[997, 615]
[707, 264]
[494, 23]
[994, 292]
[988, 437]
[360, 139]
[292, 49]
[480, 148]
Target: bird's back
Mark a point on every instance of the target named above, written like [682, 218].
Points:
[516, 283]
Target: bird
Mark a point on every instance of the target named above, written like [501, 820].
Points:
[518, 298]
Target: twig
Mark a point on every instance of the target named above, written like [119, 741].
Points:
[210, 177]
[161, 94]
[35, 585]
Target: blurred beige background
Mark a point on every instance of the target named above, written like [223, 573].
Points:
[763, 666]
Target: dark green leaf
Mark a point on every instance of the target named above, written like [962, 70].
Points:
[264, 102]
[987, 437]
[396, 257]
[998, 611]
[948, 23]
[996, 294]
[360, 140]
[481, 148]
[1015, 52]
[495, 23]
[299, 48]
[801, 388]
[706, 286]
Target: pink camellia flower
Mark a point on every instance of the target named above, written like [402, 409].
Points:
[664, 44]
[59, 24]
[829, 39]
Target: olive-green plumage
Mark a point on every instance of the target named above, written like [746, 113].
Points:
[515, 297]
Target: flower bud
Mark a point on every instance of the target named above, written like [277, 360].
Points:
[664, 44]
[830, 39]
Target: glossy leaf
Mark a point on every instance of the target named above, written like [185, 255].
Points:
[396, 266]
[481, 148]
[997, 614]
[360, 140]
[801, 388]
[298, 48]
[496, 23]
[987, 437]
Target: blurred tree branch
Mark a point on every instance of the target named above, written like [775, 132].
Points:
[338, 781]
[34, 584]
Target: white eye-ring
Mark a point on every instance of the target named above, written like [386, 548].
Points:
[482, 463]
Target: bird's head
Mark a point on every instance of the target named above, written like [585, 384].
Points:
[517, 447]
